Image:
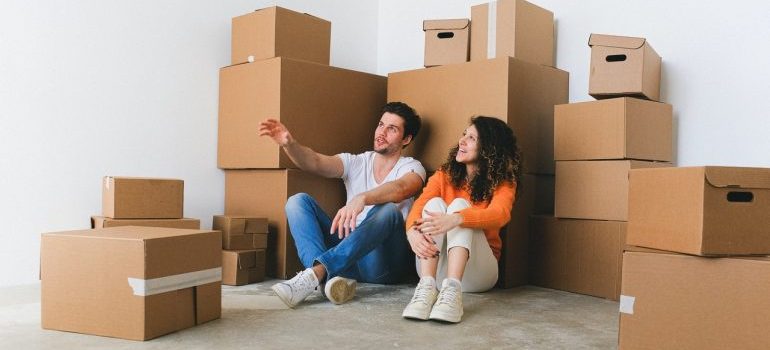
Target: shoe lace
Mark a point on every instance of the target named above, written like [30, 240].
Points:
[303, 281]
[421, 293]
[447, 296]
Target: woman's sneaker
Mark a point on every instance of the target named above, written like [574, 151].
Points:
[424, 296]
[340, 290]
[449, 305]
[295, 290]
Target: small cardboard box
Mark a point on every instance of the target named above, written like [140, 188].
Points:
[311, 99]
[103, 222]
[241, 267]
[618, 128]
[623, 66]
[674, 301]
[512, 28]
[278, 32]
[595, 189]
[130, 282]
[579, 256]
[446, 41]
[142, 198]
[701, 210]
[241, 232]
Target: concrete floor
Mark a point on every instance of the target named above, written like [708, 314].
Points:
[253, 318]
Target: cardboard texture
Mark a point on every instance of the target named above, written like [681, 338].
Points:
[578, 256]
[447, 41]
[86, 280]
[512, 28]
[623, 66]
[312, 100]
[673, 301]
[263, 193]
[701, 210]
[241, 267]
[521, 93]
[278, 32]
[241, 232]
[142, 198]
[596, 190]
[186, 223]
[619, 128]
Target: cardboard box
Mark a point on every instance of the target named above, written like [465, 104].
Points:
[241, 267]
[521, 93]
[311, 99]
[596, 190]
[130, 282]
[701, 210]
[446, 41]
[241, 232]
[263, 193]
[578, 256]
[512, 28]
[618, 128]
[623, 66]
[142, 198]
[278, 32]
[672, 301]
[186, 223]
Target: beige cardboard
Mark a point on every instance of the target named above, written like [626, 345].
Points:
[618, 128]
[596, 190]
[623, 66]
[103, 222]
[314, 101]
[241, 267]
[142, 198]
[522, 94]
[521, 29]
[690, 302]
[278, 32]
[241, 232]
[447, 41]
[701, 210]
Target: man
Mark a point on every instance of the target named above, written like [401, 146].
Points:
[366, 239]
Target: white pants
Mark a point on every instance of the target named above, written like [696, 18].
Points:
[481, 270]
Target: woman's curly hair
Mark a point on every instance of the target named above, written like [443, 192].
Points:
[499, 160]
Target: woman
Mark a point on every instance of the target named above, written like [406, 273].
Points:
[454, 226]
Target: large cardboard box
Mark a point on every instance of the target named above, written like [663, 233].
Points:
[321, 105]
[514, 28]
[130, 282]
[263, 193]
[595, 189]
[623, 66]
[618, 128]
[446, 41]
[187, 223]
[578, 256]
[241, 267]
[673, 301]
[142, 198]
[701, 210]
[278, 32]
[521, 93]
[241, 232]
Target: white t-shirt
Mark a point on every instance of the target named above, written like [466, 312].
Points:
[358, 175]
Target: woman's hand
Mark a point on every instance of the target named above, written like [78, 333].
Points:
[422, 245]
[439, 223]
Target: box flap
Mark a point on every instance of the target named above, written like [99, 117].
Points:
[625, 42]
[738, 177]
[445, 24]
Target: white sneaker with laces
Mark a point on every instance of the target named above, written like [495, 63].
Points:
[424, 297]
[295, 290]
[449, 305]
[340, 290]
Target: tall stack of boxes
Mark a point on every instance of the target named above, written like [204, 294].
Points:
[596, 143]
[513, 85]
[280, 69]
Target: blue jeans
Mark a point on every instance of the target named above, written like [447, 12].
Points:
[375, 252]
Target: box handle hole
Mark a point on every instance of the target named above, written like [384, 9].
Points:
[616, 58]
[741, 197]
[446, 35]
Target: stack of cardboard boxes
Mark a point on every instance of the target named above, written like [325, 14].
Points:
[280, 69]
[516, 83]
[596, 143]
[244, 241]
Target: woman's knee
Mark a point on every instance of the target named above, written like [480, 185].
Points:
[457, 205]
[435, 204]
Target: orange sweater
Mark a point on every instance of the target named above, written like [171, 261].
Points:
[488, 216]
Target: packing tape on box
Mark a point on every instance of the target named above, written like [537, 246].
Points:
[175, 282]
[492, 29]
[627, 304]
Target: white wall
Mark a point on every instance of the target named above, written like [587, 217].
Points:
[122, 87]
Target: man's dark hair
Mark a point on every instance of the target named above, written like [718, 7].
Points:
[412, 121]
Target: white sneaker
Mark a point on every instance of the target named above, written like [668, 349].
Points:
[424, 296]
[295, 290]
[449, 306]
[340, 290]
